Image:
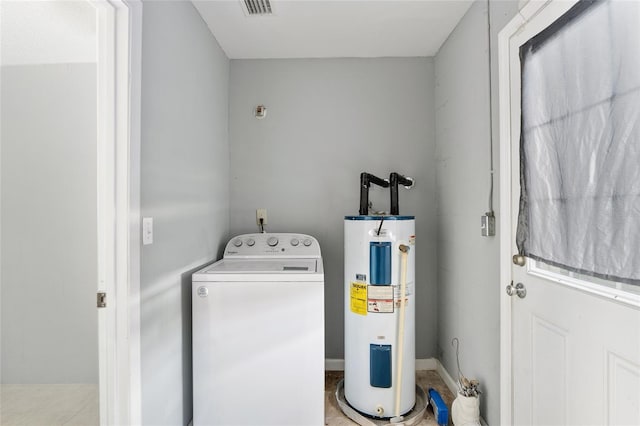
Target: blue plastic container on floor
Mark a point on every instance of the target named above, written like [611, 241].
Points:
[440, 410]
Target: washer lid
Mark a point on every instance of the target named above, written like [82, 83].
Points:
[263, 266]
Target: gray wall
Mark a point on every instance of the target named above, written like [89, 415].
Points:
[469, 290]
[184, 187]
[49, 245]
[327, 121]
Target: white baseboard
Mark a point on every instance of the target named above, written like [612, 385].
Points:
[446, 377]
[426, 364]
[331, 364]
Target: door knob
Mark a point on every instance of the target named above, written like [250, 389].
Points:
[518, 259]
[517, 289]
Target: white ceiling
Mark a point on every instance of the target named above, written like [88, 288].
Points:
[333, 28]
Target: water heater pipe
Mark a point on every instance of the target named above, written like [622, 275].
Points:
[396, 179]
[366, 180]
[404, 251]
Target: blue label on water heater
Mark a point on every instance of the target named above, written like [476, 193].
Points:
[380, 366]
[380, 262]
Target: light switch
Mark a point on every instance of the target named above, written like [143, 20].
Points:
[147, 230]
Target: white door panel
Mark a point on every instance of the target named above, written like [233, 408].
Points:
[575, 357]
[571, 353]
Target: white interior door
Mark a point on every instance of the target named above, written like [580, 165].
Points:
[48, 198]
[70, 98]
[570, 344]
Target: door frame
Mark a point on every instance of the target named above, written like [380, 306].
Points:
[506, 232]
[119, 35]
[544, 15]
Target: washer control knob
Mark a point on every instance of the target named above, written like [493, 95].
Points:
[272, 241]
[307, 242]
[251, 242]
[237, 242]
[294, 242]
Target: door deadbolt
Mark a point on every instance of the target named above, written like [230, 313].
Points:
[518, 289]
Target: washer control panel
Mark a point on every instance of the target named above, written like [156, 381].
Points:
[272, 244]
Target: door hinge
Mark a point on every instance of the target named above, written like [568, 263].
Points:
[102, 300]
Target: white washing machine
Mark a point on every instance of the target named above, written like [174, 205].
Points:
[258, 333]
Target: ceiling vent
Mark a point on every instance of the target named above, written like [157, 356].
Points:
[258, 7]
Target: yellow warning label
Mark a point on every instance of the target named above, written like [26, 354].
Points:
[359, 298]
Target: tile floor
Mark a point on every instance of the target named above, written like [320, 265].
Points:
[49, 405]
[77, 405]
[425, 378]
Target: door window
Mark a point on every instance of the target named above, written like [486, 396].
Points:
[580, 144]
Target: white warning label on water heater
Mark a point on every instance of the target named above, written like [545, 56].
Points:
[408, 291]
[380, 299]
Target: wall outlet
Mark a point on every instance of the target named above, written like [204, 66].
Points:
[261, 214]
[147, 230]
[488, 225]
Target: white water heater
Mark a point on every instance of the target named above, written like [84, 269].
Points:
[378, 341]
